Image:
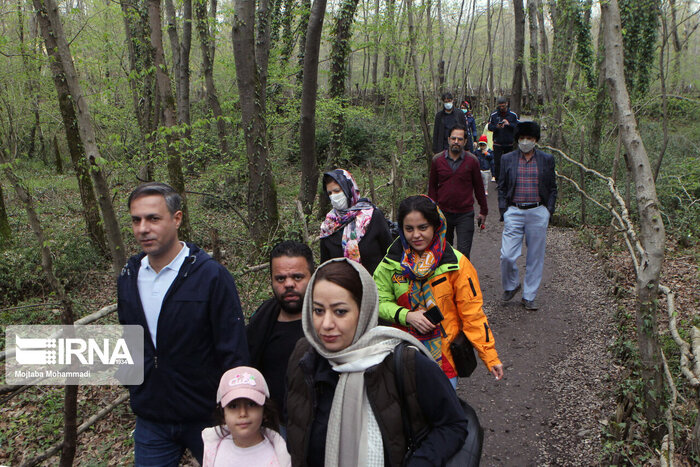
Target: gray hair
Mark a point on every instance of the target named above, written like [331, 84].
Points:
[173, 200]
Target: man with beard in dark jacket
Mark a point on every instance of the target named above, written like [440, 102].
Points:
[447, 118]
[275, 327]
[193, 327]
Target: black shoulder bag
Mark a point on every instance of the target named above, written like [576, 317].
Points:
[470, 453]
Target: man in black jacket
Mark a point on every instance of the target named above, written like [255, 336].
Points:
[447, 118]
[275, 326]
[527, 194]
[193, 327]
[503, 123]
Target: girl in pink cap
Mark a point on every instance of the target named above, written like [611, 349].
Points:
[247, 434]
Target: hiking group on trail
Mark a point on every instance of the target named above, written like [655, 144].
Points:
[355, 362]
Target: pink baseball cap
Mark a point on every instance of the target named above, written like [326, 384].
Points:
[242, 381]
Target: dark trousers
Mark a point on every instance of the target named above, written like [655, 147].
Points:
[498, 151]
[463, 223]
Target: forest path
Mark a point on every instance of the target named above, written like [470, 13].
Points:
[558, 371]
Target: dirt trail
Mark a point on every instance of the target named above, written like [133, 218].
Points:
[558, 371]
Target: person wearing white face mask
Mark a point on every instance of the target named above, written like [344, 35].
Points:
[527, 193]
[355, 228]
[446, 119]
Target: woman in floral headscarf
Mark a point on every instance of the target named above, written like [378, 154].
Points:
[354, 228]
[420, 271]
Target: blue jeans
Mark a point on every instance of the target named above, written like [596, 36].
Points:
[463, 223]
[530, 225]
[163, 444]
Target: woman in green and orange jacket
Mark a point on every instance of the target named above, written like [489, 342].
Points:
[422, 270]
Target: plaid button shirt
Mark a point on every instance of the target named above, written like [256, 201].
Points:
[526, 186]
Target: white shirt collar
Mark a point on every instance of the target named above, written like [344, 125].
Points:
[175, 264]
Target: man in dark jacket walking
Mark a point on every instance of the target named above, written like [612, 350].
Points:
[455, 180]
[447, 118]
[193, 327]
[275, 327]
[503, 123]
[527, 193]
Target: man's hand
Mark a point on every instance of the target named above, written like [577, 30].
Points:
[505, 122]
[419, 322]
[482, 221]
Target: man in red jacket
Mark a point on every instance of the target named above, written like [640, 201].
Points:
[455, 179]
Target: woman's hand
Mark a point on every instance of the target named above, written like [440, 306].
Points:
[416, 319]
[497, 371]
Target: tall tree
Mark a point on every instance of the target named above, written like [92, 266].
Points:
[534, 61]
[544, 58]
[563, 14]
[177, 180]
[653, 235]
[180, 49]
[55, 38]
[5, 231]
[91, 213]
[206, 41]
[307, 127]
[427, 143]
[340, 50]
[142, 77]
[251, 55]
[516, 95]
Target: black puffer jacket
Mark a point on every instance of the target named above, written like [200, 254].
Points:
[311, 387]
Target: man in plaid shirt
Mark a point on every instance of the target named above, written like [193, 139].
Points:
[527, 193]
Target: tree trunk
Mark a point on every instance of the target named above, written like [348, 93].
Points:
[651, 225]
[181, 60]
[489, 46]
[57, 156]
[262, 193]
[52, 31]
[601, 99]
[545, 60]
[177, 180]
[307, 126]
[516, 95]
[141, 77]
[5, 231]
[303, 25]
[563, 24]
[427, 142]
[207, 44]
[534, 62]
[340, 49]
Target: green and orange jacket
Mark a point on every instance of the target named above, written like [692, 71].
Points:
[455, 287]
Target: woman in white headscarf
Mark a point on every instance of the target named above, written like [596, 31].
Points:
[343, 403]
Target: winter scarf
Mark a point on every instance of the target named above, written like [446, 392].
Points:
[354, 220]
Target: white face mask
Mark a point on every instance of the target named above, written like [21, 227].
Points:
[526, 145]
[448, 105]
[339, 201]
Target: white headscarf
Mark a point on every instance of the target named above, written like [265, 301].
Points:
[350, 414]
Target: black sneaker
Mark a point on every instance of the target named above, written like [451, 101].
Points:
[508, 294]
[529, 304]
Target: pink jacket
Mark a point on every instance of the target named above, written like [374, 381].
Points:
[212, 439]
